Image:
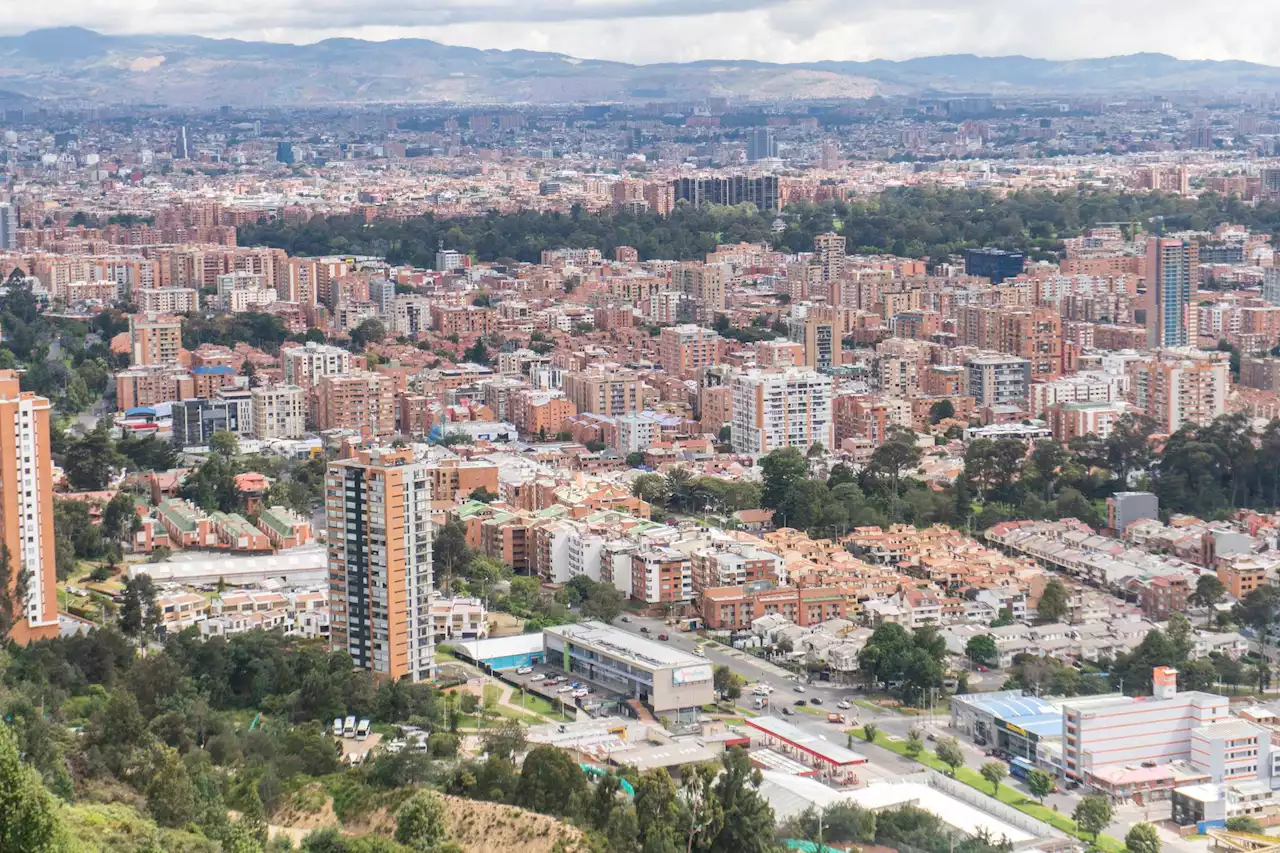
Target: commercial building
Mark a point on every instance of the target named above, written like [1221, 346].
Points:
[504, 653]
[995, 264]
[195, 421]
[1100, 736]
[1172, 277]
[1124, 508]
[761, 191]
[833, 762]
[790, 407]
[26, 508]
[672, 683]
[380, 577]
[993, 380]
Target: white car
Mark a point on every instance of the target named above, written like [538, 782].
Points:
[566, 689]
[538, 676]
[799, 688]
[844, 706]
[524, 670]
[580, 692]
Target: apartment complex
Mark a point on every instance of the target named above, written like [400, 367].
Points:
[363, 402]
[154, 340]
[685, 350]
[997, 379]
[1181, 385]
[606, 389]
[304, 366]
[380, 576]
[1172, 278]
[26, 507]
[789, 407]
[279, 411]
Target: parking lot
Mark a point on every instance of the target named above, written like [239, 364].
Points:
[552, 683]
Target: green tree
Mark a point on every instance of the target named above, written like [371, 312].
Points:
[981, 648]
[1093, 814]
[420, 823]
[994, 772]
[476, 353]
[89, 462]
[726, 682]
[1040, 783]
[1260, 610]
[949, 753]
[781, 471]
[941, 411]
[657, 812]
[1209, 591]
[748, 822]
[869, 731]
[28, 815]
[171, 797]
[368, 332]
[225, 444]
[1142, 838]
[139, 612]
[1243, 824]
[1053, 601]
[548, 779]
[915, 743]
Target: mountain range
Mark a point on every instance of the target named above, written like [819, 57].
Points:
[79, 65]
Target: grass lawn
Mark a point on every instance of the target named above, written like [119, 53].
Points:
[513, 714]
[492, 693]
[1008, 796]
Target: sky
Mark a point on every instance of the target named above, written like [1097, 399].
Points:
[645, 31]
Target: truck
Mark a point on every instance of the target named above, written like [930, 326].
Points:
[835, 718]
[761, 702]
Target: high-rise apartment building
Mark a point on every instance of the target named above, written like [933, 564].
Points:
[704, 282]
[279, 411]
[304, 366]
[154, 340]
[995, 380]
[26, 508]
[8, 227]
[685, 350]
[380, 578]
[820, 333]
[761, 191]
[363, 402]
[1172, 270]
[828, 256]
[182, 145]
[1178, 386]
[780, 408]
[605, 389]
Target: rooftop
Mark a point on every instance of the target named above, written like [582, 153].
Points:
[647, 653]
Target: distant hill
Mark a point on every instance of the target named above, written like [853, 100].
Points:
[79, 64]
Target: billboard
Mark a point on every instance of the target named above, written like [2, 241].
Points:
[691, 674]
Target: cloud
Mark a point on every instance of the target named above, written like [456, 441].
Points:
[683, 30]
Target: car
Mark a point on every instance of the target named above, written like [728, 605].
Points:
[566, 689]
[1072, 784]
[625, 618]
[663, 637]
[982, 668]
[930, 737]
[799, 703]
[644, 629]
[575, 684]
[815, 701]
[580, 692]
[799, 688]
[538, 676]
[843, 706]
[788, 712]
[560, 679]
[524, 670]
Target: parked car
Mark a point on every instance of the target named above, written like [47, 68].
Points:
[566, 689]
[663, 637]
[524, 670]
[930, 737]
[626, 618]
[538, 676]
[644, 629]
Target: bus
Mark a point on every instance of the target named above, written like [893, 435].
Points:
[362, 730]
[1019, 767]
[349, 727]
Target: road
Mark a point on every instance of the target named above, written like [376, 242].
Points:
[883, 763]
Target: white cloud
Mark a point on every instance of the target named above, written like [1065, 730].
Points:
[682, 30]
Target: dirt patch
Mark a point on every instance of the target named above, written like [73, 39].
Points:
[478, 827]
